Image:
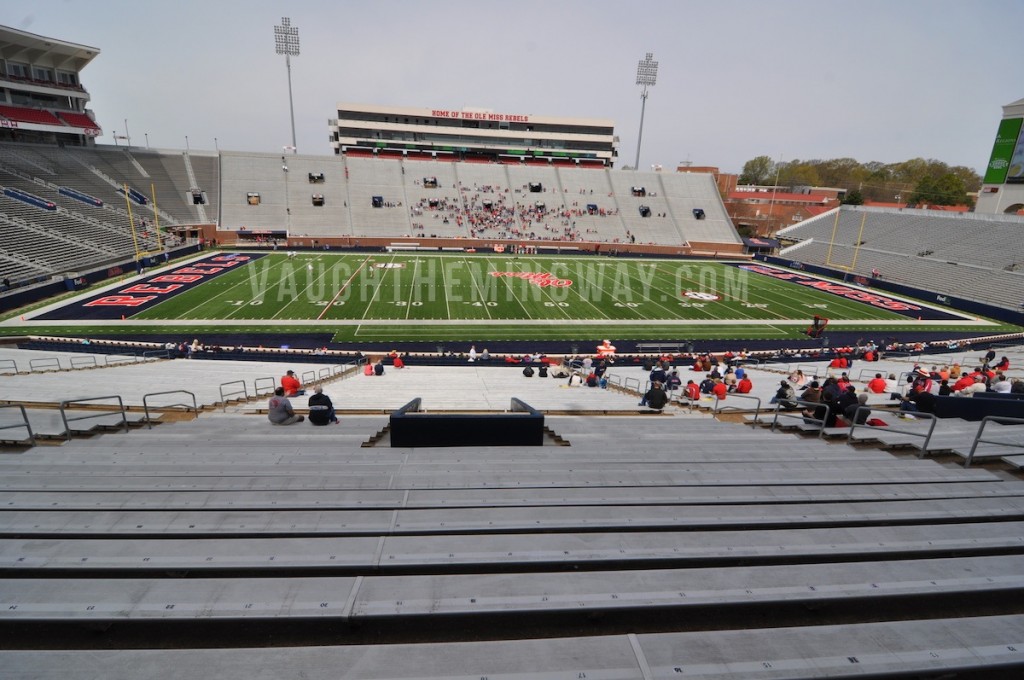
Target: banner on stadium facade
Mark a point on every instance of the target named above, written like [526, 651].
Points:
[1007, 161]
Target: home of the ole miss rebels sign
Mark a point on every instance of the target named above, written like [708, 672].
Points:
[144, 293]
[479, 115]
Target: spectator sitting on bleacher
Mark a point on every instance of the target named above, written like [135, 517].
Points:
[877, 385]
[850, 413]
[785, 396]
[848, 398]
[812, 393]
[292, 386]
[674, 381]
[280, 409]
[744, 385]
[1001, 384]
[922, 381]
[1003, 365]
[978, 385]
[692, 390]
[656, 398]
[923, 402]
[321, 409]
[719, 389]
[1017, 386]
[965, 380]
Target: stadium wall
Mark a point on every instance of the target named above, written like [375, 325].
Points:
[213, 236]
[968, 306]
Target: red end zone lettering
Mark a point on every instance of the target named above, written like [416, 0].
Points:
[196, 270]
[142, 294]
[120, 301]
[146, 288]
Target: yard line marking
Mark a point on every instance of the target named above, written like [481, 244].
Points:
[380, 282]
[299, 294]
[444, 290]
[343, 287]
[412, 288]
[477, 287]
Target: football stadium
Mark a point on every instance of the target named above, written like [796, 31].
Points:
[460, 398]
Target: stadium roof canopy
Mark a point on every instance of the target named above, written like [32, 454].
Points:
[27, 47]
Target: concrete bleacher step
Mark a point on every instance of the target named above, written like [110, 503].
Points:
[288, 477]
[459, 553]
[479, 521]
[432, 598]
[884, 649]
[394, 499]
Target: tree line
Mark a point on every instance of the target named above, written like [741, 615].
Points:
[916, 182]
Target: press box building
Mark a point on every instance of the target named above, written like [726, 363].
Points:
[471, 134]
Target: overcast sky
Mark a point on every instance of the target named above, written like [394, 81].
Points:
[883, 80]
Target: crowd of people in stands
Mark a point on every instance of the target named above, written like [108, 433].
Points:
[487, 211]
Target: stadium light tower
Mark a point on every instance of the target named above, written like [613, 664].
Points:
[286, 41]
[646, 75]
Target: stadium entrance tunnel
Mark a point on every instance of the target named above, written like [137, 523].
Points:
[521, 425]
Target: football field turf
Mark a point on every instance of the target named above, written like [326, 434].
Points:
[416, 296]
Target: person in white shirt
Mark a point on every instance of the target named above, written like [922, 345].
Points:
[1001, 385]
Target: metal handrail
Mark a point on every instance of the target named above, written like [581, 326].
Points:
[888, 428]
[9, 363]
[256, 385]
[308, 378]
[83, 362]
[145, 403]
[224, 395]
[26, 424]
[64, 416]
[157, 354]
[109, 359]
[733, 395]
[46, 362]
[814, 405]
[1003, 420]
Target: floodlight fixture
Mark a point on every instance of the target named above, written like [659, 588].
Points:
[647, 71]
[646, 76]
[286, 38]
[286, 42]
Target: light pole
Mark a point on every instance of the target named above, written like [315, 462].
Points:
[287, 201]
[286, 42]
[646, 75]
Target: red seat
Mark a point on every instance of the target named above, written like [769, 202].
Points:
[28, 115]
[77, 119]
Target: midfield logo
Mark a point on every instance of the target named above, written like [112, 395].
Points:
[542, 279]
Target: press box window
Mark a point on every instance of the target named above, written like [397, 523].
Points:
[252, 198]
[316, 178]
[318, 200]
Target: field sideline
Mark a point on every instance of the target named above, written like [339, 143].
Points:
[423, 297]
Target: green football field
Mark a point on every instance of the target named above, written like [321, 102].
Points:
[427, 297]
[418, 296]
